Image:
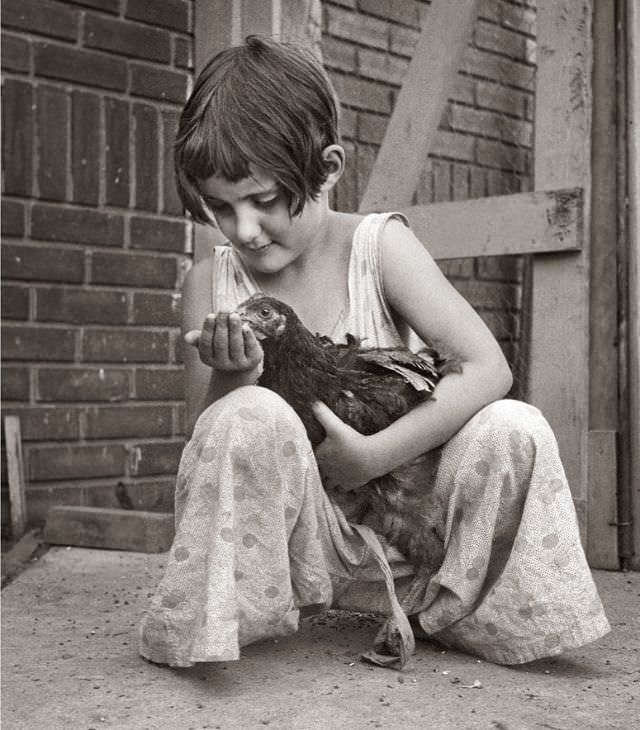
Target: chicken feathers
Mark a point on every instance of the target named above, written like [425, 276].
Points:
[368, 388]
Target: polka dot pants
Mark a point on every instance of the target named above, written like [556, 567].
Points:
[257, 539]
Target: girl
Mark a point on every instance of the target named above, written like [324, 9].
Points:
[258, 539]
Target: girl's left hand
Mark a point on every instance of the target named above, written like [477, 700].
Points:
[343, 457]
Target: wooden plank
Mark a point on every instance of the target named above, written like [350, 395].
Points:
[602, 531]
[15, 560]
[559, 343]
[117, 529]
[523, 223]
[633, 166]
[420, 104]
[15, 468]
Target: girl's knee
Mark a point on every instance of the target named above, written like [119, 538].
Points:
[507, 415]
[249, 406]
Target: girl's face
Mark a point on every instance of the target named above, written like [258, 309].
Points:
[253, 214]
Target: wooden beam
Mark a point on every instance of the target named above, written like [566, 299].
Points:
[420, 104]
[523, 223]
[115, 529]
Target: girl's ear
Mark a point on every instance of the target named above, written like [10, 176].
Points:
[333, 157]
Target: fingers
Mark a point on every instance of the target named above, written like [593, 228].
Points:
[192, 337]
[327, 418]
[225, 344]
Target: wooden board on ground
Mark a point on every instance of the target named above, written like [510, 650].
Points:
[116, 529]
[19, 555]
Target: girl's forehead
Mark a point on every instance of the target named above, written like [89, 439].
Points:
[219, 187]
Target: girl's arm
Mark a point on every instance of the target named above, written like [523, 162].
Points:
[421, 296]
[231, 356]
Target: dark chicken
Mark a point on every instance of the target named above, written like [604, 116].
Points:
[368, 389]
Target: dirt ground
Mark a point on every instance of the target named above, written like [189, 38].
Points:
[69, 662]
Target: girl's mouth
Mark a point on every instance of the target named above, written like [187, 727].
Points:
[259, 250]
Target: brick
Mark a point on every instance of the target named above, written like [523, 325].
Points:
[152, 496]
[12, 218]
[460, 182]
[15, 302]
[456, 268]
[183, 53]
[346, 191]
[180, 419]
[39, 423]
[37, 343]
[17, 137]
[500, 268]
[128, 421]
[365, 160]
[463, 90]
[499, 40]
[501, 98]
[509, 16]
[454, 146]
[44, 17]
[125, 345]
[146, 157]
[107, 6]
[56, 463]
[498, 68]
[41, 498]
[498, 155]
[478, 183]
[172, 14]
[134, 270]
[156, 309]
[159, 384]
[80, 306]
[382, 66]
[80, 66]
[489, 124]
[371, 127]
[500, 182]
[116, 529]
[129, 39]
[158, 234]
[358, 28]
[171, 202]
[339, 54]
[503, 325]
[117, 152]
[403, 40]
[155, 458]
[82, 384]
[53, 142]
[16, 55]
[157, 83]
[42, 263]
[363, 94]
[348, 123]
[490, 294]
[85, 147]
[400, 11]
[78, 225]
[441, 181]
[15, 384]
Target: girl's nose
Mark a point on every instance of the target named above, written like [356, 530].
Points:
[247, 227]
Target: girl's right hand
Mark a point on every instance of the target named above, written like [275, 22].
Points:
[226, 345]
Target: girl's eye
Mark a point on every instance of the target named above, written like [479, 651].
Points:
[269, 203]
[265, 312]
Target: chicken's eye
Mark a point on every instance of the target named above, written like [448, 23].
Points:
[265, 312]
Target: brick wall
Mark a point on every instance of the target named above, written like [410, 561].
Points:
[94, 245]
[484, 142]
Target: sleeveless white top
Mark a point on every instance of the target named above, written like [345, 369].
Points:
[366, 314]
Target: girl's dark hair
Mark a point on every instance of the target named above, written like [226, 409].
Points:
[264, 104]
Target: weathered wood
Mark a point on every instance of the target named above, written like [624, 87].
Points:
[420, 104]
[117, 529]
[510, 224]
[15, 469]
[602, 512]
[633, 166]
[559, 345]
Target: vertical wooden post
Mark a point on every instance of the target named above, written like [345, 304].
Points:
[559, 348]
[15, 468]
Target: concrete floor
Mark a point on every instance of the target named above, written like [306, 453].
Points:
[69, 662]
